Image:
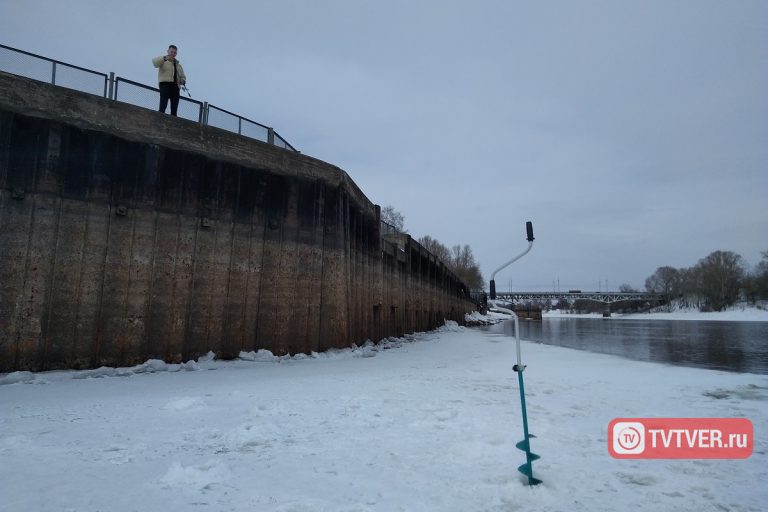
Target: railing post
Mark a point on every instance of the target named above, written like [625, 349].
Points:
[53, 74]
[111, 85]
[271, 136]
[204, 113]
[239, 125]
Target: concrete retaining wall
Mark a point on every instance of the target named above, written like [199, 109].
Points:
[126, 234]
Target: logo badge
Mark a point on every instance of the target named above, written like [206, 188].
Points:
[628, 437]
[680, 438]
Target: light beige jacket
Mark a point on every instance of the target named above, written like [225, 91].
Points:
[165, 70]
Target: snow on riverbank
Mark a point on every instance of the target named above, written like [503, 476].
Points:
[427, 423]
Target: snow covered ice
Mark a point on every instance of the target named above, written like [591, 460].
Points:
[423, 423]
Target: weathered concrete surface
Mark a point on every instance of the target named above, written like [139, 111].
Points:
[127, 234]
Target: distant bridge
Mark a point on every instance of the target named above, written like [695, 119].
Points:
[604, 297]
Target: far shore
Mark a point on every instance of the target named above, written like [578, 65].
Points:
[738, 314]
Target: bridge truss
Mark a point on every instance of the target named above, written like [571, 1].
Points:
[604, 297]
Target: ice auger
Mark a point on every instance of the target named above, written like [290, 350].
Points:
[525, 444]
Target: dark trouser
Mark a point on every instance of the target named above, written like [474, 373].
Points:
[169, 91]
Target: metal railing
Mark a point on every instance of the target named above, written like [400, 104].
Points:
[140, 95]
[226, 120]
[37, 67]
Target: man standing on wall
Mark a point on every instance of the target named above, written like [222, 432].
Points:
[171, 75]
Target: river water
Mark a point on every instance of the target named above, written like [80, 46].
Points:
[731, 346]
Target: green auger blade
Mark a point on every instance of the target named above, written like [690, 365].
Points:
[528, 471]
[527, 468]
[524, 446]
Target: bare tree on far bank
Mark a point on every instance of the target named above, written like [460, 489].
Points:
[756, 286]
[666, 281]
[719, 277]
[714, 283]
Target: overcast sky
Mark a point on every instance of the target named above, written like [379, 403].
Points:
[634, 134]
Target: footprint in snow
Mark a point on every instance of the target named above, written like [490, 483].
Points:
[183, 404]
[201, 477]
[445, 414]
[636, 478]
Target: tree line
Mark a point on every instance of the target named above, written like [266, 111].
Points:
[714, 283]
[459, 258]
